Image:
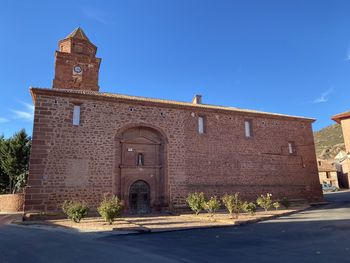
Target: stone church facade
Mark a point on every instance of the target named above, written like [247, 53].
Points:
[152, 152]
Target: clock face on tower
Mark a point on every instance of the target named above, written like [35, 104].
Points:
[77, 69]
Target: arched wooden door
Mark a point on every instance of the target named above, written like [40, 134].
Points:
[139, 198]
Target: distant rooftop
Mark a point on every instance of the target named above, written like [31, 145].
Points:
[325, 166]
[341, 116]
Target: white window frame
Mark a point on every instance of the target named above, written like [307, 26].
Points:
[76, 115]
[200, 124]
[291, 148]
[248, 128]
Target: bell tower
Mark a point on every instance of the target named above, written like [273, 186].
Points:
[76, 64]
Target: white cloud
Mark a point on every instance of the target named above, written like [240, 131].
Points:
[324, 97]
[348, 55]
[30, 107]
[27, 114]
[23, 115]
[3, 120]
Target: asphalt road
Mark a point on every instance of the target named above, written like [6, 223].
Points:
[321, 234]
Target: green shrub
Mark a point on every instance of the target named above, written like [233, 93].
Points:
[233, 204]
[212, 205]
[195, 201]
[264, 201]
[276, 205]
[75, 210]
[109, 208]
[249, 208]
[285, 202]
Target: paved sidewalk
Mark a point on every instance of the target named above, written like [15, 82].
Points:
[162, 223]
[7, 218]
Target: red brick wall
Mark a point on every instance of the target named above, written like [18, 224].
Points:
[76, 52]
[64, 77]
[82, 162]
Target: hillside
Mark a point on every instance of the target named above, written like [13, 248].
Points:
[329, 141]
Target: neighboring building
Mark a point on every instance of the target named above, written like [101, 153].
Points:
[340, 156]
[327, 172]
[152, 152]
[343, 172]
[344, 120]
[341, 164]
[342, 159]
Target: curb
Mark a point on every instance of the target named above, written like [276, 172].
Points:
[238, 223]
[321, 203]
[144, 230]
[10, 218]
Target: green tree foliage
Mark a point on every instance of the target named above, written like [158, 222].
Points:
[276, 205]
[265, 201]
[4, 179]
[75, 210]
[110, 208]
[14, 161]
[249, 208]
[195, 201]
[233, 204]
[212, 205]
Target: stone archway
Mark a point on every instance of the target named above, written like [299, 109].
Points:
[142, 158]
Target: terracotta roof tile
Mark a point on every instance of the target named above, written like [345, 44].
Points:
[341, 116]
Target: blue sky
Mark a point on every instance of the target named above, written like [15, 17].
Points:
[290, 57]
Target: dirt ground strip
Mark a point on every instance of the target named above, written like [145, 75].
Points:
[160, 223]
[6, 218]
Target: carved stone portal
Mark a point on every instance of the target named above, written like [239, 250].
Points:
[142, 170]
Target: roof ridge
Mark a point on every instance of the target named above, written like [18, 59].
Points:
[169, 102]
[78, 33]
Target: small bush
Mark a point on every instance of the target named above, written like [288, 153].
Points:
[233, 204]
[285, 202]
[249, 208]
[195, 201]
[109, 208]
[212, 205]
[75, 210]
[264, 201]
[276, 205]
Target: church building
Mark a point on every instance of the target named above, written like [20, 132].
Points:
[151, 152]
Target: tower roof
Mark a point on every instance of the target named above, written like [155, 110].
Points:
[78, 33]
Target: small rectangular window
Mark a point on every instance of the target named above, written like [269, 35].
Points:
[201, 125]
[248, 128]
[140, 159]
[76, 115]
[291, 148]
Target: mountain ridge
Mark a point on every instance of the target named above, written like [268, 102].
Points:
[329, 141]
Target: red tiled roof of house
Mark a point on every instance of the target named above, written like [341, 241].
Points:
[344, 115]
